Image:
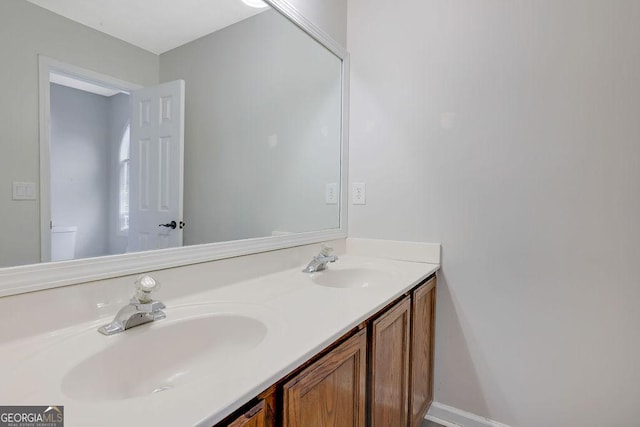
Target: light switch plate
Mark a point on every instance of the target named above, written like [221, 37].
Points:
[24, 191]
[359, 193]
[331, 193]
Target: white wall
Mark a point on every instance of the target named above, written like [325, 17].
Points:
[26, 31]
[80, 167]
[509, 131]
[262, 132]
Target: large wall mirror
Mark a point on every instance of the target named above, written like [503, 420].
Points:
[150, 134]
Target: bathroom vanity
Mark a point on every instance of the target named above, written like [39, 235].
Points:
[244, 342]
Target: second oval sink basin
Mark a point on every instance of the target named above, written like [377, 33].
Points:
[160, 356]
[357, 277]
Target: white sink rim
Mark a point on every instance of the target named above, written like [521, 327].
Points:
[118, 381]
[353, 277]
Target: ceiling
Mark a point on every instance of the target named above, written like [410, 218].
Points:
[154, 25]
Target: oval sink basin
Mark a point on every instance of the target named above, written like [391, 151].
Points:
[351, 277]
[160, 356]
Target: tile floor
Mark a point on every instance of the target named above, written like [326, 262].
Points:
[427, 423]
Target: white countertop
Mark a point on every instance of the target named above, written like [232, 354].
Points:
[301, 319]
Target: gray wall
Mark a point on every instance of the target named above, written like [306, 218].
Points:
[509, 132]
[262, 130]
[26, 31]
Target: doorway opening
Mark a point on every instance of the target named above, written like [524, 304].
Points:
[84, 162]
[89, 143]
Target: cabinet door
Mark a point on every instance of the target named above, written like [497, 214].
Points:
[330, 392]
[390, 366]
[422, 317]
[255, 417]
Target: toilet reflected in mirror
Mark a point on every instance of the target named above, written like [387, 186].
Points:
[63, 243]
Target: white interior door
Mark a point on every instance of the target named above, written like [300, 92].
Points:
[156, 159]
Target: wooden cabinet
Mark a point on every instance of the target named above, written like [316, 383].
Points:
[401, 360]
[262, 414]
[331, 391]
[422, 345]
[389, 366]
[255, 417]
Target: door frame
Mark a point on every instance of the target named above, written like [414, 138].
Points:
[46, 65]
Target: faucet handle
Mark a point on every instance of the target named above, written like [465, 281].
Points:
[325, 250]
[144, 286]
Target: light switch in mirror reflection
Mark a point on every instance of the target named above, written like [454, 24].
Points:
[263, 125]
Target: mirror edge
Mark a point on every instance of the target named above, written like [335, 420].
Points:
[35, 277]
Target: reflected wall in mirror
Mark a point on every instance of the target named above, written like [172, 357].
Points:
[262, 126]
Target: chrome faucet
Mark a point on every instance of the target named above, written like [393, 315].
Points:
[319, 262]
[140, 310]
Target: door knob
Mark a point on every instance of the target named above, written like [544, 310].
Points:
[172, 225]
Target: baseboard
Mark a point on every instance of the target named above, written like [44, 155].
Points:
[448, 416]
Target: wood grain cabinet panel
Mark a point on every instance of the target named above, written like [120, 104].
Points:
[389, 370]
[262, 414]
[331, 391]
[255, 417]
[422, 345]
